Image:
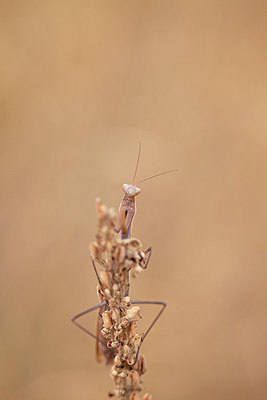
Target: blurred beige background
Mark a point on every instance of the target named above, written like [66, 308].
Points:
[81, 83]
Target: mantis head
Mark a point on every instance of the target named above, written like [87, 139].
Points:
[131, 190]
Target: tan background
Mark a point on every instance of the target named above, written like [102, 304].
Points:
[81, 83]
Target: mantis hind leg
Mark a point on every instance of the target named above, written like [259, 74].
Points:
[159, 303]
[75, 317]
[98, 338]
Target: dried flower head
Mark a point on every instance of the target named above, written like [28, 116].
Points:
[116, 258]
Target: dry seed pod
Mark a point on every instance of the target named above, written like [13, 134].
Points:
[109, 246]
[107, 321]
[134, 396]
[118, 331]
[94, 249]
[119, 392]
[107, 293]
[135, 243]
[115, 314]
[132, 329]
[114, 371]
[105, 332]
[123, 374]
[115, 344]
[136, 340]
[128, 264]
[119, 254]
[131, 254]
[104, 278]
[100, 207]
[104, 231]
[147, 396]
[136, 271]
[142, 257]
[112, 302]
[133, 312]
[117, 277]
[127, 301]
[124, 322]
[117, 295]
[117, 361]
[126, 351]
[134, 376]
[141, 364]
[131, 360]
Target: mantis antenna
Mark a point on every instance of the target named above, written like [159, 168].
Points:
[137, 163]
[154, 176]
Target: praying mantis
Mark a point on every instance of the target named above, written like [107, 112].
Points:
[127, 211]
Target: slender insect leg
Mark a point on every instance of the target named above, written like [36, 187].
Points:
[73, 319]
[99, 281]
[160, 303]
[148, 250]
[98, 278]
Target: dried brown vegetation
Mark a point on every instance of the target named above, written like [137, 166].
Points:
[117, 258]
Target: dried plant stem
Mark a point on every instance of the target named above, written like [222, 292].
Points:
[118, 319]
